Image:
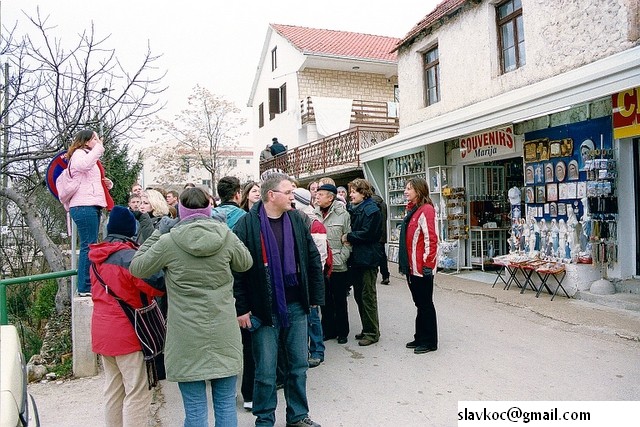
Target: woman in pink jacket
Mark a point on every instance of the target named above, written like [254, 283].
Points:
[417, 260]
[92, 195]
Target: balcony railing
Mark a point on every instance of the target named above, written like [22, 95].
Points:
[362, 112]
[330, 154]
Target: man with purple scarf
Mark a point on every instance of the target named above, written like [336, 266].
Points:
[285, 281]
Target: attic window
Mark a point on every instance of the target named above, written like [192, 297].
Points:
[274, 58]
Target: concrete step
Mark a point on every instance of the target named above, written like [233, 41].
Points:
[631, 286]
[621, 300]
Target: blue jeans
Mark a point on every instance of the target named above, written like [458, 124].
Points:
[265, 353]
[87, 219]
[194, 399]
[316, 341]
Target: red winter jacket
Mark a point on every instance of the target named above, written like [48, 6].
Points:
[422, 239]
[111, 331]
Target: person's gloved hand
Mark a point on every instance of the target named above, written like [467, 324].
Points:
[426, 271]
[137, 214]
[166, 224]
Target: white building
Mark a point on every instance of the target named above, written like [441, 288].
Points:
[312, 84]
[172, 168]
[483, 82]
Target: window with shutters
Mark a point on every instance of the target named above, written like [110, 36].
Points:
[277, 101]
[261, 115]
[510, 35]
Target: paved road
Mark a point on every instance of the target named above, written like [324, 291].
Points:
[494, 345]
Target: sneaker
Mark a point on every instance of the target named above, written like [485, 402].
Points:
[342, 340]
[248, 405]
[359, 336]
[366, 341]
[84, 294]
[385, 281]
[313, 362]
[412, 344]
[279, 386]
[305, 422]
[421, 349]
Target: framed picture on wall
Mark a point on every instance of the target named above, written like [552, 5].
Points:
[548, 172]
[573, 170]
[553, 209]
[582, 189]
[562, 209]
[538, 174]
[528, 175]
[541, 195]
[552, 192]
[529, 195]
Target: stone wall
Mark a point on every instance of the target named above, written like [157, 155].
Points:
[559, 35]
[345, 84]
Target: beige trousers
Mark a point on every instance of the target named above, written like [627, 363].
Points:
[126, 391]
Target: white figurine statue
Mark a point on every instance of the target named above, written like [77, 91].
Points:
[572, 237]
[532, 235]
[562, 239]
[555, 236]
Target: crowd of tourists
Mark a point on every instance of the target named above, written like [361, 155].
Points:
[251, 287]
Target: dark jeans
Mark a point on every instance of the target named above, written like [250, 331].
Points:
[365, 294]
[426, 324]
[384, 263]
[335, 317]
[248, 368]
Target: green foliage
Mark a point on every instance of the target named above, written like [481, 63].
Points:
[120, 169]
[63, 369]
[45, 303]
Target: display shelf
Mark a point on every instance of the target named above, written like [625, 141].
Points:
[397, 171]
[487, 243]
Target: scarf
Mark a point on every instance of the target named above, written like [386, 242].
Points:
[403, 254]
[107, 196]
[185, 213]
[281, 268]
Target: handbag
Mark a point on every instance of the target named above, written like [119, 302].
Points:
[149, 325]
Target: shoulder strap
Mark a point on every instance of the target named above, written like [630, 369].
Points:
[143, 296]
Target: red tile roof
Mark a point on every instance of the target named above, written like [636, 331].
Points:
[344, 44]
[443, 9]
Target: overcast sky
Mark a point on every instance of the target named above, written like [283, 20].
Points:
[210, 43]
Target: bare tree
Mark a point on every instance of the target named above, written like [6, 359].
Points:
[207, 130]
[52, 91]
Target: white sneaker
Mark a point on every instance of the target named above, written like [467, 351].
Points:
[248, 405]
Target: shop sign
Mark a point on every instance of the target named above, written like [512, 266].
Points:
[626, 113]
[488, 144]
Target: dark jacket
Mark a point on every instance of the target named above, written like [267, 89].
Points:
[253, 290]
[383, 210]
[277, 148]
[366, 229]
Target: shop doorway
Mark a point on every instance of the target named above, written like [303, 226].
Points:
[488, 187]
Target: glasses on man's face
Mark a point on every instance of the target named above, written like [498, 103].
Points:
[286, 193]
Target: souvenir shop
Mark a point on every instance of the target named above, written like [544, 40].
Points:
[528, 190]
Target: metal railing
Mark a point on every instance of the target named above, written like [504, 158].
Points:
[329, 154]
[26, 279]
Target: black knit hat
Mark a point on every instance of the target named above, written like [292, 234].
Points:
[328, 187]
[122, 222]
